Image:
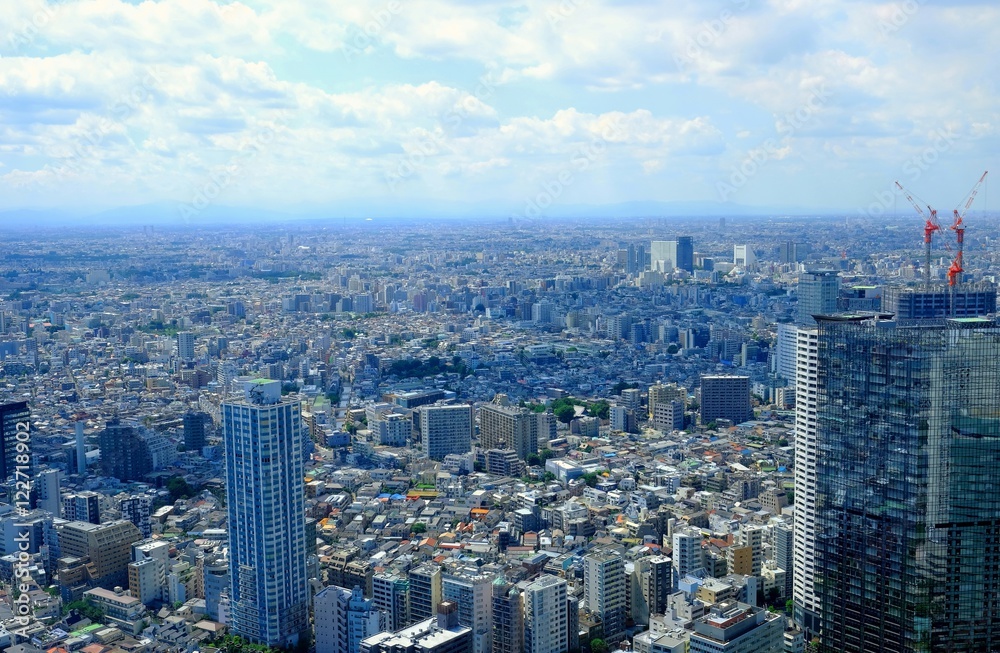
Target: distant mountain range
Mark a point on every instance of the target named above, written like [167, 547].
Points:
[181, 215]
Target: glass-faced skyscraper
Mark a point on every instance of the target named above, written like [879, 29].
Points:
[266, 503]
[908, 485]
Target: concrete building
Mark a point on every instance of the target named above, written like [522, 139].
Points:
[197, 426]
[425, 591]
[686, 553]
[804, 526]
[344, 618]
[107, 548]
[508, 620]
[264, 440]
[390, 595]
[185, 345]
[733, 627]
[605, 592]
[440, 634]
[744, 257]
[137, 509]
[48, 483]
[545, 623]
[668, 416]
[14, 418]
[817, 293]
[82, 506]
[502, 426]
[725, 397]
[446, 429]
[472, 592]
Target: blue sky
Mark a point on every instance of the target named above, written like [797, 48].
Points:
[299, 104]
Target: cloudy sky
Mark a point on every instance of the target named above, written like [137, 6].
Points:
[298, 104]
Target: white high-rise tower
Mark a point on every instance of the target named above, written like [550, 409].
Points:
[803, 593]
[266, 502]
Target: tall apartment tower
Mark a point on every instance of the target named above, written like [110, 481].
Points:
[804, 527]
[446, 429]
[784, 555]
[137, 509]
[502, 426]
[817, 293]
[14, 418]
[263, 438]
[391, 595]
[908, 486]
[687, 553]
[726, 397]
[545, 625]
[185, 345]
[48, 482]
[344, 618]
[196, 428]
[425, 591]
[605, 592]
[508, 620]
[472, 593]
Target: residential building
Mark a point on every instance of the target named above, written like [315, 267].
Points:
[508, 621]
[733, 627]
[48, 482]
[545, 623]
[197, 426]
[107, 549]
[804, 525]
[440, 634]
[82, 506]
[390, 593]
[137, 510]
[264, 437]
[344, 618]
[446, 429]
[605, 592]
[472, 592]
[725, 397]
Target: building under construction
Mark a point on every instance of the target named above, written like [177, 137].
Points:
[911, 305]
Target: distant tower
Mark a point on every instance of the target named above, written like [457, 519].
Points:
[81, 451]
[817, 292]
[267, 523]
[185, 345]
[14, 418]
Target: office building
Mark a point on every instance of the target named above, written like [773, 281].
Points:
[446, 429]
[82, 506]
[263, 438]
[125, 451]
[733, 627]
[185, 345]
[105, 548]
[908, 485]
[687, 556]
[390, 593]
[817, 292]
[14, 418]
[440, 634]
[425, 591]
[508, 621]
[744, 257]
[668, 416]
[685, 253]
[804, 525]
[660, 393]
[545, 625]
[725, 397]
[472, 593]
[197, 426]
[605, 592]
[344, 618]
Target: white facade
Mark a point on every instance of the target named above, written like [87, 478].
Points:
[546, 628]
[686, 553]
[344, 618]
[804, 570]
[263, 437]
[785, 348]
[473, 593]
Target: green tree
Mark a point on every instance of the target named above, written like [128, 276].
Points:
[598, 646]
[600, 409]
[418, 528]
[564, 413]
[87, 609]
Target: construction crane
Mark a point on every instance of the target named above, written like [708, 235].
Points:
[958, 227]
[930, 226]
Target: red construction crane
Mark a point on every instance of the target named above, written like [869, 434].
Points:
[959, 228]
[930, 227]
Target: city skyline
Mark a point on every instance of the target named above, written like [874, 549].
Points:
[387, 108]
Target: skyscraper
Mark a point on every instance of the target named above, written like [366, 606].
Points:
[908, 485]
[685, 253]
[605, 592]
[14, 417]
[817, 292]
[545, 627]
[266, 503]
[804, 525]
